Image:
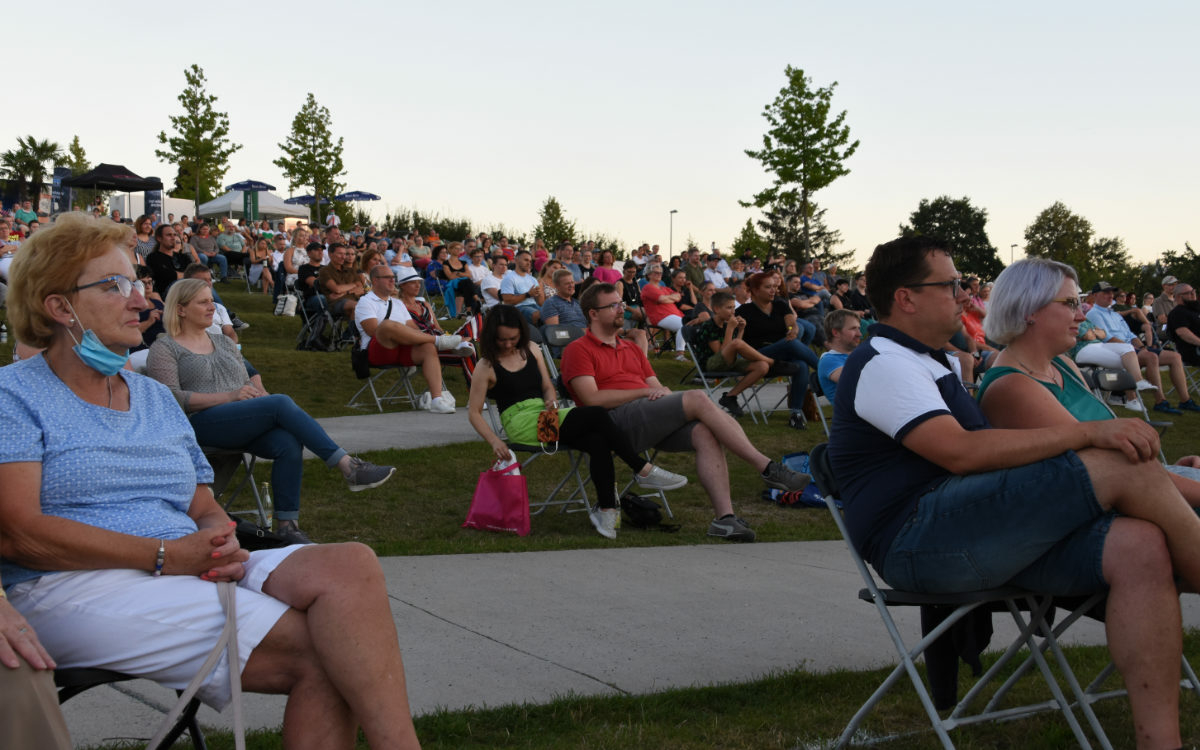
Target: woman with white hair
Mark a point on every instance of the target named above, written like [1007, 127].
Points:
[1035, 311]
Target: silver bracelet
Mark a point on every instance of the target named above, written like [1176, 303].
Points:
[162, 556]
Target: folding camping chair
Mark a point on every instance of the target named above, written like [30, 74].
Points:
[711, 380]
[532, 452]
[72, 682]
[225, 463]
[1028, 610]
[814, 383]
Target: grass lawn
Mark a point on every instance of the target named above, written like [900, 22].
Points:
[793, 710]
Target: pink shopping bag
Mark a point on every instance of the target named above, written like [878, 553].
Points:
[501, 502]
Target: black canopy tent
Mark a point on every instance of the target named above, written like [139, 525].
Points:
[113, 177]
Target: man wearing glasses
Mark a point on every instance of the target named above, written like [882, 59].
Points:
[938, 501]
[603, 369]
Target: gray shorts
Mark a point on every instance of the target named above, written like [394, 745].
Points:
[655, 424]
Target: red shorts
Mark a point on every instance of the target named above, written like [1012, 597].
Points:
[380, 356]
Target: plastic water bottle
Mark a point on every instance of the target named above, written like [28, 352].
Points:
[268, 507]
[3, 333]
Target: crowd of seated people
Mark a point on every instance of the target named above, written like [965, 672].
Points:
[762, 324]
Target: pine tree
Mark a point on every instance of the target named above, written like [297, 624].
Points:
[200, 148]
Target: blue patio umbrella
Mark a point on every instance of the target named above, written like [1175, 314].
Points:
[356, 195]
[305, 200]
[250, 186]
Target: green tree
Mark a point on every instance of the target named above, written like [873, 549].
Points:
[1059, 234]
[78, 162]
[804, 148]
[1184, 265]
[783, 224]
[27, 164]
[552, 226]
[749, 242]
[963, 227]
[311, 159]
[200, 148]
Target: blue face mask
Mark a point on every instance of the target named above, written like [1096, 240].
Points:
[95, 354]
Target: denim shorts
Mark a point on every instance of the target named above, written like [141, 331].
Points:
[1038, 527]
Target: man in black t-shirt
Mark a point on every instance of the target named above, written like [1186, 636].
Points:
[306, 277]
[1183, 324]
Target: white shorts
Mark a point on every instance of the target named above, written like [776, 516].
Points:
[160, 628]
[1103, 354]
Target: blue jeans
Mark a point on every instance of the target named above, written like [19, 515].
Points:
[807, 330]
[218, 259]
[1036, 526]
[269, 427]
[794, 350]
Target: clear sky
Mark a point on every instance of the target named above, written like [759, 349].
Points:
[626, 110]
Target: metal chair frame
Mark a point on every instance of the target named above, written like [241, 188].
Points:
[1017, 602]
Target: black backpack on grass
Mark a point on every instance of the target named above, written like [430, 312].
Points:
[643, 513]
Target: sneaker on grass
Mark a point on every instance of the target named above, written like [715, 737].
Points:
[1189, 405]
[732, 528]
[1165, 407]
[660, 479]
[364, 475]
[606, 521]
[780, 477]
[290, 533]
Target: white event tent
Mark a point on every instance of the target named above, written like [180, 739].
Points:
[270, 206]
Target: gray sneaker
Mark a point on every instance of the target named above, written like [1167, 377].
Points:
[364, 475]
[290, 533]
[780, 477]
[732, 528]
[660, 479]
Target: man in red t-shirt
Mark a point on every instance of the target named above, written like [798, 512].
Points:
[602, 369]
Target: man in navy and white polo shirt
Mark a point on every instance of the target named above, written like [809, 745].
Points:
[938, 501]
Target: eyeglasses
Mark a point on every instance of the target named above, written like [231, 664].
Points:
[947, 284]
[1072, 303]
[123, 285]
[615, 307]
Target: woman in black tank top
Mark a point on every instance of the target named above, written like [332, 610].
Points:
[511, 372]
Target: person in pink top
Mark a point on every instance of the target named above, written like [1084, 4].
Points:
[605, 271]
[661, 310]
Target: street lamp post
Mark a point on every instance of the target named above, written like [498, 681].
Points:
[671, 242]
[1011, 249]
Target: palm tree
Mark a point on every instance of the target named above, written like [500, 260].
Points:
[40, 152]
[27, 164]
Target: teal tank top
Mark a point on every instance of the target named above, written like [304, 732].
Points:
[1074, 395]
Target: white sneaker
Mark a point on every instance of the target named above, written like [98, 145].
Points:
[447, 342]
[606, 521]
[661, 479]
[1145, 385]
[448, 398]
[440, 406]
[423, 400]
[1135, 404]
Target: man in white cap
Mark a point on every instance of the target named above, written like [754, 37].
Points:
[1165, 302]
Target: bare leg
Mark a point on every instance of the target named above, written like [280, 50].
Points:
[1144, 490]
[426, 355]
[1148, 360]
[392, 335]
[1178, 378]
[712, 470]
[1144, 631]
[754, 373]
[338, 651]
[725, 429]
